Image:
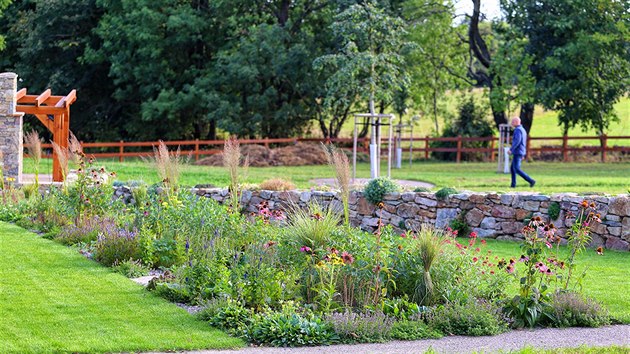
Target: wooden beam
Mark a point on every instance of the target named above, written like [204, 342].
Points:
[45, 121]
[32, 99]
[20, 94]
[40, 110]
[67, 100]
[43, 97]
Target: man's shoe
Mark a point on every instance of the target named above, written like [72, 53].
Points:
[512, 186]
[532, 184]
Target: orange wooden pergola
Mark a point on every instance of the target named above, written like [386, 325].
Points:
[54, 113]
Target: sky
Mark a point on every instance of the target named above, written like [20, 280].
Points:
[488, 7]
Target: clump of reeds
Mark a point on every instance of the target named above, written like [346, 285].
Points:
[430, 241]
[34, 147]
[232, 161]
[168, 166]
[75, 150]
[340, 165]
[63, 157]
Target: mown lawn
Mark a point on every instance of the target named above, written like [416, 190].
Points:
[612, 178]
[606, 277]
[54, 300]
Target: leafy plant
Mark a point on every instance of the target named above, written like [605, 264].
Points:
[554, 210]
[422, 190]
[429, 245]
[460, 225]
[367, 327]
[227, 315]
[574, 310]
[311, 227]
[115, 245]
[290, 329]
[443, 193]
[131, 268]
[376, 189]
[413, 330]
[474, 318]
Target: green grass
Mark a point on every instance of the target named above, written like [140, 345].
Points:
[606, 275]
[54, 300]
[577, 350]
[609, 178]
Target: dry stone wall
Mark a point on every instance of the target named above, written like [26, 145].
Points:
[11, 147]
[490, 215]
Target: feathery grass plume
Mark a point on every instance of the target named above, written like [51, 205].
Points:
[62, 157]
[339, 163]
[168, 166]
[430, 241]
[75, 150]
[232, 161]
[34, 147]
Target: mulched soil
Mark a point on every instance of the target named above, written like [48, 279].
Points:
[300, 154]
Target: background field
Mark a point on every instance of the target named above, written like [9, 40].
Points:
[613, 178]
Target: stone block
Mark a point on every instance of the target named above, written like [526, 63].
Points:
[407, 210]
[615, 243]
[306, 197]
[408, 196]
[531, 205]
[619, 206]
[510, 227]
[485, 233]
[614, 231]
[507, 199]
[502, 211]
[391, 196]
[489, 223]
[265, 194]
[364, 207]
[426, 201]
[474, 217]
[477, 198]
[444, 217]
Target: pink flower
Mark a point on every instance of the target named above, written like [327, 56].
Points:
[473, 234]
[510, 269]
[306, 249]
[483, 242]
[475, 259]
[403, 235]
[347, 257]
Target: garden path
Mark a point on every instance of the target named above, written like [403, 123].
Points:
[548, 338]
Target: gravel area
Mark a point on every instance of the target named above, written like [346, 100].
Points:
[548, 338]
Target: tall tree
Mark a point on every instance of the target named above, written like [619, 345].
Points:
[580, 56]
[3, 5]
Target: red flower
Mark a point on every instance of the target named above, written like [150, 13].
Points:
[473, 234]
[483, 242]
[475, 259]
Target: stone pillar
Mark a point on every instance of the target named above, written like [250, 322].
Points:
[11, 144]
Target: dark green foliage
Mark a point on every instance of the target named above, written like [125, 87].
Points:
[574, 310]
[443, 193]
[421, 189]
[474, 318]
[554, 210]
[172, 292]
[290, 329]
[470, 122]
[166, 252]
[115, 245]
[368, 327]
[400, 308]
[376, 189]
[228, 315]
[460, 225]
[413, 330]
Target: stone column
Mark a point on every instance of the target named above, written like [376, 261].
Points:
[11, 144]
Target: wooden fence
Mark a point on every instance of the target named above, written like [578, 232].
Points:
[421, 146]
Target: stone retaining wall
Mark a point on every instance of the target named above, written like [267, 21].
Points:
[11, 147]
[490, 215]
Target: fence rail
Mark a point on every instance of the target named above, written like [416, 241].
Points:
[420, 146]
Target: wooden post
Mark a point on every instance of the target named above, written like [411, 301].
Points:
[604, 143]
[459, 148]
[121, 151]
[492, 153]
[267, 143]
[527, 145]
[426, 147]
[57, 139]
[196, 149]
[565, 142]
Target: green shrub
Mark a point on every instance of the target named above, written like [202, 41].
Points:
[554, 210]
[571, 309]
[116, 245]
[400, 308]
[421, 189]
[290, 329]
[312, 227]
[413, 330]
[368, 327]
[227, 315]
[460, 225]
[376, 189]
[166, 253]
[131, 268]
[443, 193]
[85, 230]
[475, 318]
[171, 291]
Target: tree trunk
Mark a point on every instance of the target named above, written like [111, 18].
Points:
[527, 116]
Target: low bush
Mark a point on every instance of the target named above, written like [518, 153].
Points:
[115, 245]
[376, 189]
[290, 329]
[413, 330]
[227, 315]
[85, 230]
[277, 184]
[443, 193]
[367, 327]
[131, 268]
[474, 318]
[571, 309]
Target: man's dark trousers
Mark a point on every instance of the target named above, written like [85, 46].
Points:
[516, 169]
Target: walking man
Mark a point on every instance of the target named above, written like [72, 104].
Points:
[518, 152]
